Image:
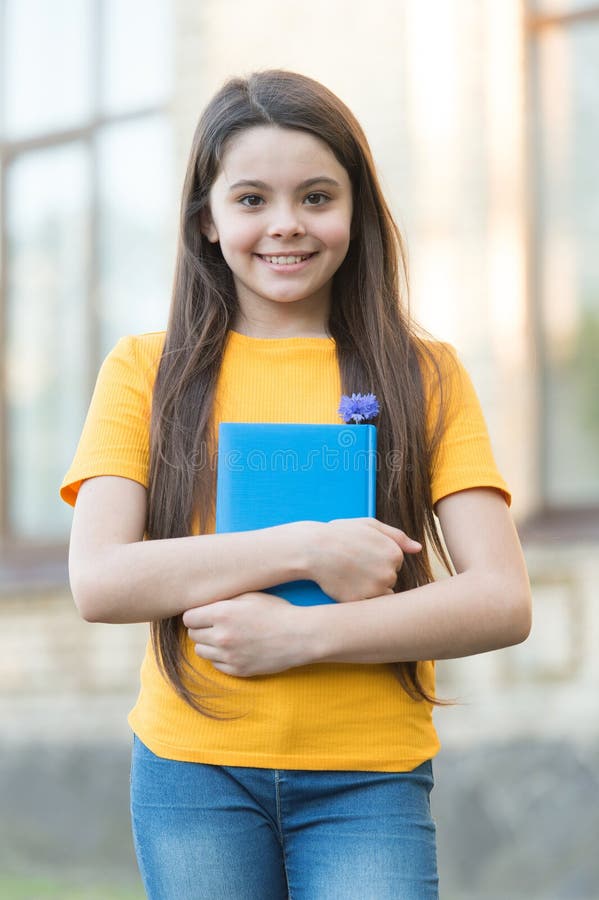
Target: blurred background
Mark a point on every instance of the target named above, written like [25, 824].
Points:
[483, 117]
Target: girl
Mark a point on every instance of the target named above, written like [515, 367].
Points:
[285, 751]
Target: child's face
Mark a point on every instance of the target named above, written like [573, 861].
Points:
[298, 202]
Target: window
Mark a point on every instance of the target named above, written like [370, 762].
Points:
[565, 134]
[87, 217]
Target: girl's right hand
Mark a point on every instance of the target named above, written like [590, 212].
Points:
[352, 559]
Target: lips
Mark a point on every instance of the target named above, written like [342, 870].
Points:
[285, 259]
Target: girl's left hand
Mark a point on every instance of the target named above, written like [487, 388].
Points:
[251, 634]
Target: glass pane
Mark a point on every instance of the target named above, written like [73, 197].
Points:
[568, 221]
[48, 65]
[137, 227]
[47, 203]
[560, 7]
[138, 54]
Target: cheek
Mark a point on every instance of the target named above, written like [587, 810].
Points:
[239, 236]
[336, 227]
[338, 234]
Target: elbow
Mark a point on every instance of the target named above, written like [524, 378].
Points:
[87, 596]
[89, 613]
[509, 611]
[520, 616]
[96, 581]
[526, 624]
[86, 604]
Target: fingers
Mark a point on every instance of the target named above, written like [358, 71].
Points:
[206, 651]
[407, 544]
[213, 655]
[198, 631]
[198, 617]
[198, 635]
[412, 547]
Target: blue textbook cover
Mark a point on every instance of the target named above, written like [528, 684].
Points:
[275, 473]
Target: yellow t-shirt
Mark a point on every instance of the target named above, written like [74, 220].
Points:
[318, 716]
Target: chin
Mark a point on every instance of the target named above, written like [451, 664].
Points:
[281, 297]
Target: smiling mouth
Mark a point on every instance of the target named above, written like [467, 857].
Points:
[285, 260]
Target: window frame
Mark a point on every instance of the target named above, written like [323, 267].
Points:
[550, 522]
[31, 564]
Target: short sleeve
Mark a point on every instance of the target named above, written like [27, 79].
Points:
[115, 436]
[464, 457]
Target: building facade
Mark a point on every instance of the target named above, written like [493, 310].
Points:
[483, 120]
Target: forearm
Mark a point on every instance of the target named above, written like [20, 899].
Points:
[146, 580]
[460, 616]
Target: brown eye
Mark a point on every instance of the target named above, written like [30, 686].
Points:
[317, 199]
[250, 200]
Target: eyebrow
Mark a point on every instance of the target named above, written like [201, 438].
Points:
[248, 182]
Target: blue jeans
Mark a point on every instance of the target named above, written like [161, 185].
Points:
[207, 832]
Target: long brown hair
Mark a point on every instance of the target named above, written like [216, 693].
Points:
[377, 346]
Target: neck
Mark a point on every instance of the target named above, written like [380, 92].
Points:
[279, 326]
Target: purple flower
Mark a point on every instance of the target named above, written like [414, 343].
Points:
[358, 408]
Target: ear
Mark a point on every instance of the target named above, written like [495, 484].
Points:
[207, 226]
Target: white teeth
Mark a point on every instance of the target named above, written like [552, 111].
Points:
[284, 260]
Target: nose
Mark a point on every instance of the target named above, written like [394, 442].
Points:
[286, 221]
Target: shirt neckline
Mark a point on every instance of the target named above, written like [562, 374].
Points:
[251, 341]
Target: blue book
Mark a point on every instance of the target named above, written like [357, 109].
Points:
[272, 474]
